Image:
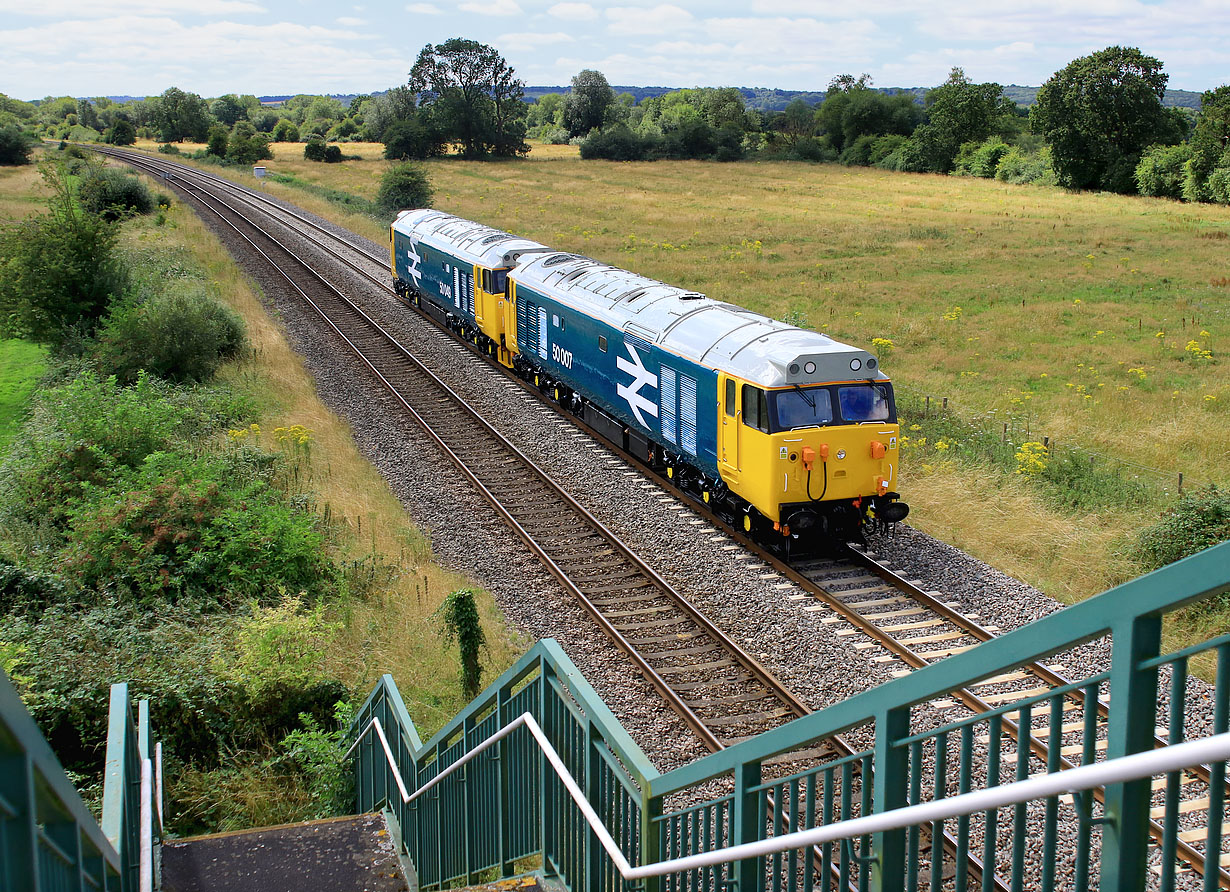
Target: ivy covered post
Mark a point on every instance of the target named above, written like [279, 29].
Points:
[459, 622]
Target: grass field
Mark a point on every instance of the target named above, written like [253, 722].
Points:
[1098, 321]
[21, 365]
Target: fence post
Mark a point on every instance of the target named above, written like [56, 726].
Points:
[504, 754]
[890, 790]
[19, 852]
[747, 825]
[651, 844]
[547, 831]
[594, 854]
[1130, 729]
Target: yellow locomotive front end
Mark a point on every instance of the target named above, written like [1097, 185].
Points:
[811, 459]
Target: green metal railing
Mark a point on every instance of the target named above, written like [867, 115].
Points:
[132, 794]
[49, 840]
[503, 807]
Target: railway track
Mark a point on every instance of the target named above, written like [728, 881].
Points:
[717, 688]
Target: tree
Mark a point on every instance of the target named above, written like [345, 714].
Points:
[61, 269]
[246, 145]
[181, 116]
[228, 109]
[585, 107]
[15, 145]
[413, 139]
[285, 131]
[473, 96]
[1100, 113]
[219, 138]
[379, 112]
[404, 186]
[959, 111]
[121, 133]
[1210, 144]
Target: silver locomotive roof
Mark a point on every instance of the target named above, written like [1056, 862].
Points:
[709, 332]
[472, 242]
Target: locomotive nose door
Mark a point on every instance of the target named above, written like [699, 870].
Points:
[729, 425]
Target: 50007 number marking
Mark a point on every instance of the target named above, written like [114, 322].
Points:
[563, 357]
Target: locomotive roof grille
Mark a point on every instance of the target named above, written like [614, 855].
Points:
[560, 258]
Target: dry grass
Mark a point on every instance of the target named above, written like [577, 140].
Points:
[393, 632]
[22, 191]
[1061, 297]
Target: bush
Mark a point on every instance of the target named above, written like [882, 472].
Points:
[858, 153]
[314, 150]
[247, 146]
[404, 185]
[1217, 186]
[614, 143]
[285, 131]
[60, 270]
[1020, 166]
[811, 148]
[113, 194]
[1200, 520]
[980, 159]
[1161, 171]
[411, 140]
[181, 335]
[123, 133]
[15, 145]
[219, 138]
[333, 154]
[168, 149]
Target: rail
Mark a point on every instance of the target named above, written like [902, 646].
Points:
[507, 803]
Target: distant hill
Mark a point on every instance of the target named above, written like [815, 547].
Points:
[766, 99]
[763, 98]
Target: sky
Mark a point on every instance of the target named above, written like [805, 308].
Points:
[272, 47]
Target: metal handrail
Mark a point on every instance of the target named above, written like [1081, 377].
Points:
[1137, 766]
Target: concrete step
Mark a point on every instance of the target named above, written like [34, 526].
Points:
[352, 854]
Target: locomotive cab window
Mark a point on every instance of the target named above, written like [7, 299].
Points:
[802, 407]
[602, 343]
[495, 281]
[863, 402]
[730, 397]
[755, 408]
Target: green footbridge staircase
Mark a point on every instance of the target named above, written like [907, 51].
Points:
[537, 777]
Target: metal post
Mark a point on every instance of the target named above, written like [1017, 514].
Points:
[890, 790]
[651, 828]
[747, 825]
[1133, 715]
[504, 800]
[595, 857]
[547, 830]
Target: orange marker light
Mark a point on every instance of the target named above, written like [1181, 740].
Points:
[877, 449]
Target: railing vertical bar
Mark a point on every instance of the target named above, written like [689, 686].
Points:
[867, 781]
[796, 856]
[826, 866]
[847, 779]
[1175, 734]
[1024, 730]
[961, 878]
[913, 837]
[779, 817]
[940, 790]
[995, 732]
[1217, 773]
[809, 815]
[1050, 821]
[1083, 805]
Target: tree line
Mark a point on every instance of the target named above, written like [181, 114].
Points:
[1098, 123]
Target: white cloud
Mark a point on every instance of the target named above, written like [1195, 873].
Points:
[664, 19]
[573, 12]
[424, 9]
[102, 9]
[495, 8]
[350, 22]
[529, 41]
[210, 59]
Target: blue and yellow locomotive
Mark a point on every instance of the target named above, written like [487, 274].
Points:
[778, 429]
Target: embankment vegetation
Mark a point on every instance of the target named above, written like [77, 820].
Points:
[178, 511]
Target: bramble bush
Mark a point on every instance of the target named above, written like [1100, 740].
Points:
[182, 334]
[1199, 520]
[403, 186]
[113, 194]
